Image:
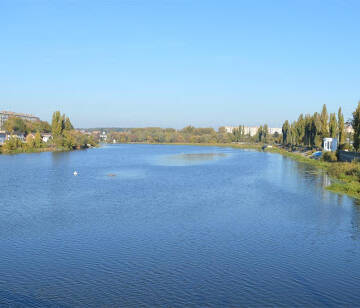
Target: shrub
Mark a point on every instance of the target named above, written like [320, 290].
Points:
[329, 157]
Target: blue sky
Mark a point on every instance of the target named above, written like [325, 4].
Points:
[170, 63]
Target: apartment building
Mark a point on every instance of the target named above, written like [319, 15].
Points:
[5, 115]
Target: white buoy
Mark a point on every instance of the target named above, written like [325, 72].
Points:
[75, 173]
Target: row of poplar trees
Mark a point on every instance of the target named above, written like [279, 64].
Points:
[309, 130]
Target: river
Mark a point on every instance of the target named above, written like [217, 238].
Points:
[173, 226]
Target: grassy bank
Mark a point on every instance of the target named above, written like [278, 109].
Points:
[346, 175]
[38, 150]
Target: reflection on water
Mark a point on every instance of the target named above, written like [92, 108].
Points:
[185, 159]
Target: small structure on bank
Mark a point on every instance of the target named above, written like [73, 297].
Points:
[330, 144]
[46, 137]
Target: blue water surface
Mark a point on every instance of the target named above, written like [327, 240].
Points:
[173, 226]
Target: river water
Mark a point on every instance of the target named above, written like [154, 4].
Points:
[173, 226]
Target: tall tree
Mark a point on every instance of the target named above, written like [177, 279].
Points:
[324, 118]
[259, 134]
[38, 140]
[333, 125]
[286, 132]
[307, 133]
[316, 126]
[265, 133]
[67, 124]
[57, 124]
[356, 127]
[300, 130]
[341, 128]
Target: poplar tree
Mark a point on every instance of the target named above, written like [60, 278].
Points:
[307, 131]
[324, 118]
[67, 124]
[356, 127]
[300, 130]
[286, 132]
[316, 126]
[333, 125]
[57, 124]
[341, 128]
[265, 133]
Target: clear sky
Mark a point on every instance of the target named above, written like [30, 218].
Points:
[170, 63]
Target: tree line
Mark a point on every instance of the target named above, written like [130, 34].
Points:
[64, 136]
[310, 130]
[191, 134]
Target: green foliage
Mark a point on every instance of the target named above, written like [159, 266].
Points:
[38, 140]
[356, 127]
[286, 133]
[64, 135]
[67, 125]
[324, 125]
[309, 130]
[30, 141]
[341, 128]
[15, 125]
[329, 157]
[333, 129]
[57, 125]
[12, 144]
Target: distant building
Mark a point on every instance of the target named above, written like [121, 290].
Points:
[19, 136]
[230, 129]
[273, 130]
[5, 115]
[330, 144]
[252, 130]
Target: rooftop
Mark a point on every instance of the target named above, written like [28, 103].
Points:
[11, 113]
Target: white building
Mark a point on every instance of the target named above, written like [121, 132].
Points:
[5, 115]
[273, 130]
[252, 130]
[330, 144]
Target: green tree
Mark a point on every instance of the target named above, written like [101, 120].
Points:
[286, 132]
[15, 124]
[68, 126]
[30, 141]
[57, 124]
[333, 125]
[341, 128]
[300, 130]
[38, 140]
[265, 133]
[324, 118]
[316, 126]
[356, 127]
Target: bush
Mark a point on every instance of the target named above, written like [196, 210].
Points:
[329, 157]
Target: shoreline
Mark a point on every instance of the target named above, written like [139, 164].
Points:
[41, 150]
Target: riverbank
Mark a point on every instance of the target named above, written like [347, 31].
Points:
[345, 176]
[41, 150]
